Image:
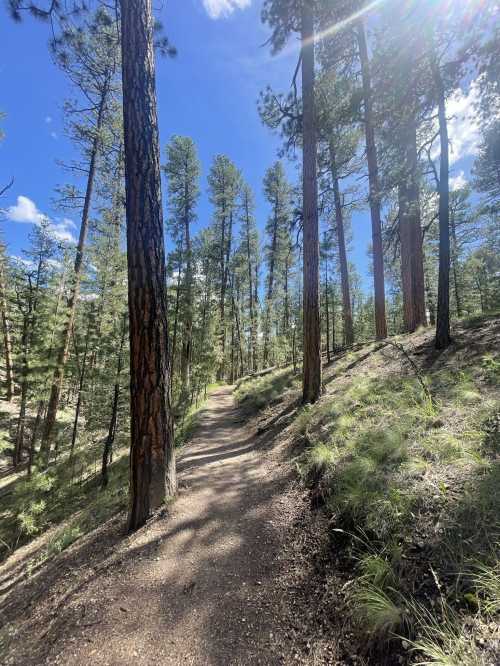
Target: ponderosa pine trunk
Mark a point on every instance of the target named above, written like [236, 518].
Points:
[152, 455]
[7, 342]
[344, 271]
[374, 185]
[311, 381]
[443, 338]
[63, 351]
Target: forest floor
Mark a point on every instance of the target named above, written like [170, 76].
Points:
[197, 585]
[253, 564]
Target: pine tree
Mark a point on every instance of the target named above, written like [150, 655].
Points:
[152, 456]
[183, 172]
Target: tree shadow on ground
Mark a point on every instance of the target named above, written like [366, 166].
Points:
[197, 573]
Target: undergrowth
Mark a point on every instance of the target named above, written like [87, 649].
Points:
[70, 495]
[406, 464]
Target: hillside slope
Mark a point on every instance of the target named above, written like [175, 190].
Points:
[382, 549]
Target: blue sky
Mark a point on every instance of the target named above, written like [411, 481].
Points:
[208, 92]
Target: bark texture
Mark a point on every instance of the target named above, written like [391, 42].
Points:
[311, 387]
[152, 457]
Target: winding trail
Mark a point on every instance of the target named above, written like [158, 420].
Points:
[193, 586]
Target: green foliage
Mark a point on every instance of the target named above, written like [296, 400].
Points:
[376, 610]
[444, 641]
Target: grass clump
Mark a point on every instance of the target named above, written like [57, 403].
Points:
[256, 393]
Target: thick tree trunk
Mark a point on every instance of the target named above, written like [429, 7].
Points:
[443, 338]
[7, 343]
[373, 178]
[152, 455]
[312, 382]
[63, 352]
[344, 271]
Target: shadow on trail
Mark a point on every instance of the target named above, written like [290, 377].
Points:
[186, 588]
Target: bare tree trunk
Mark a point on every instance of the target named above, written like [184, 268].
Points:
[81, 383]
[63, 352]
[152, 455]
[108, 444]
[344, 271]
[312, 381]
[443, 338]
[371, 156]
[7, 343]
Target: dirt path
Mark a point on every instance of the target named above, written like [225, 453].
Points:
[191, 587]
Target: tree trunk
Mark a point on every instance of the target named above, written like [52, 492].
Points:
[327, 313]
[253, 321]
[63, 352]
[443, 338]
[187, 342]
[108, 444]
[270, 288]
[7, 343]
[152, 455]
[374, 197]
[412, 263]
[344, 271]
[81, 383]
[21, 422]
[454, 265]
[312, 383]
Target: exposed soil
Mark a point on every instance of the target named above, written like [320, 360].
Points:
[197, 585]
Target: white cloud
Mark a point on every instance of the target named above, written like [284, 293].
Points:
[26, 212]
[53, 135]
[48, 119]
[458, 182]
[222, 8]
